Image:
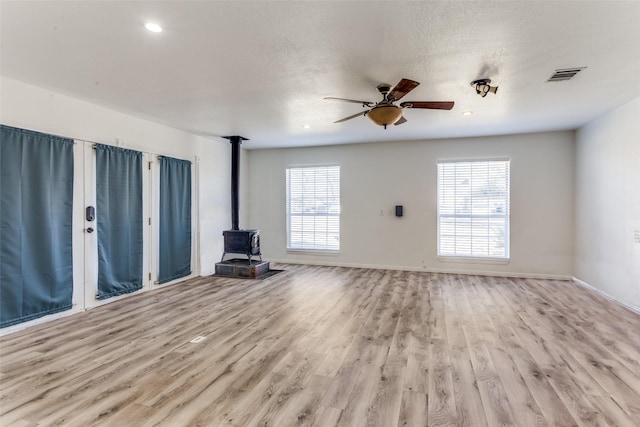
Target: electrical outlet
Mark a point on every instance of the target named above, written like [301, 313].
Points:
[636, 236]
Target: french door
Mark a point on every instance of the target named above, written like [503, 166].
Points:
[88, 229]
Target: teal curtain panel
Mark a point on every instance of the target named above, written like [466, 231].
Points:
[36, 201]
[175, 219]
[119, 220]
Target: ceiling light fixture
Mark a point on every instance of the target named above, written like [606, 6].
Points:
[467, 113]
[153, 27]
[306, 126]
[482, 87]
[385, 115]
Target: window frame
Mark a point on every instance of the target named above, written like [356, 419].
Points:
[288, 214]
[506, 216]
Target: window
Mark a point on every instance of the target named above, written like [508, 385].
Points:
[473, 209]
[313, 208]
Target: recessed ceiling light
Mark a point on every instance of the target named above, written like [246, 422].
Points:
[153, 27]
[306, 126]
[467, 113]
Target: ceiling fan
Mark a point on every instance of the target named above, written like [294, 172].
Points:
[385, 112]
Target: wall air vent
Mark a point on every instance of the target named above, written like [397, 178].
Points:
[564, 74]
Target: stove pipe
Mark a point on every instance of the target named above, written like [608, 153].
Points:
[235, 141]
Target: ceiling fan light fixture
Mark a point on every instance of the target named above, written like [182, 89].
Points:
[385, 115]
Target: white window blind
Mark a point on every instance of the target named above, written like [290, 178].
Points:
[313, 208]
[473, 208]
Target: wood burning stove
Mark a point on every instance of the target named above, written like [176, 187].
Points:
[245, 242]
[236, 241]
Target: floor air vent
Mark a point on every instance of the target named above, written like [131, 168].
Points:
[564, 74]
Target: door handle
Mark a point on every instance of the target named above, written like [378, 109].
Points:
[89, 230]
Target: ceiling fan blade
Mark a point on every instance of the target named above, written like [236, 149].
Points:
[431, 105]
[355, 101]
[403, 87]
[400, 121]
[362, 113]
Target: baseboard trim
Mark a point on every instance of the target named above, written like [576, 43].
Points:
[627, 305]
[429, 270]
[76, 309]
[39, 321]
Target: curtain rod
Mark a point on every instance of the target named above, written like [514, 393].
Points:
[95, 144]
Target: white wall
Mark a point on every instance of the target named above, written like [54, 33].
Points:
[608, 203]
[29, 107]
[379, 176]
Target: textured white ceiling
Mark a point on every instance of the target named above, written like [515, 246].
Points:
[262, 69]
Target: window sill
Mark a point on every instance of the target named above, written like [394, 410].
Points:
[474, 260]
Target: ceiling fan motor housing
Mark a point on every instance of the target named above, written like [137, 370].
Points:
[384, 88]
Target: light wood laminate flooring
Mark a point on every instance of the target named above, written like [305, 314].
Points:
[324, 346]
